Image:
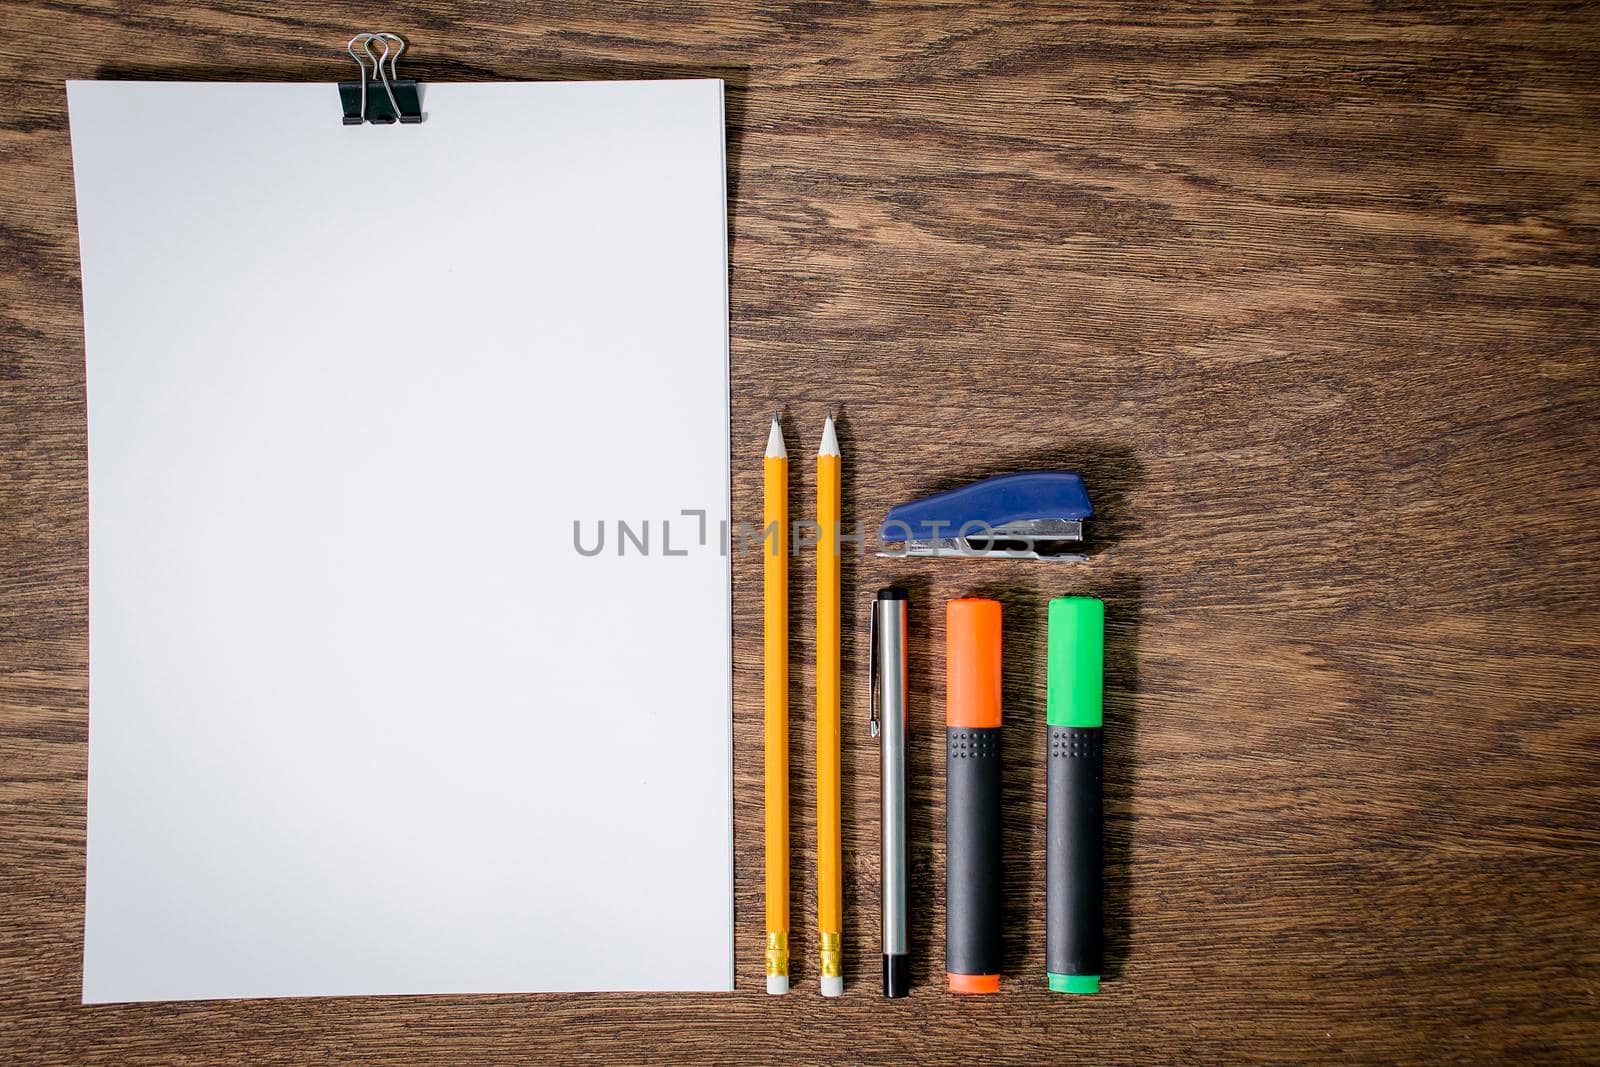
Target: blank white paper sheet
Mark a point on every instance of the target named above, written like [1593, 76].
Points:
[362, 717]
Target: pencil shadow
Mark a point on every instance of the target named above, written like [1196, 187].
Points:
[802, 720]
[925, 780]
[854, 736]
[1111, 471]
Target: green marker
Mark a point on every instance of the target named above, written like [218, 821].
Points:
[1074, 666]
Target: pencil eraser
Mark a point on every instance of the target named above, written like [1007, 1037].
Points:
[777, 984]
[832, 985]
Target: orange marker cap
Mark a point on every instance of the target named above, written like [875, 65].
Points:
[973, 983]
[972, 658]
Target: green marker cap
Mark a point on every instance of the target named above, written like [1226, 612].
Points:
[1074, 983]
[1074, 663]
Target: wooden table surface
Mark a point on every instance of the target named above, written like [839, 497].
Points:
[1307, 292]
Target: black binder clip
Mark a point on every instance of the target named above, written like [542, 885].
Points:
[399, 100]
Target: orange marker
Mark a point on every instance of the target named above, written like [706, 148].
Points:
[972, 801]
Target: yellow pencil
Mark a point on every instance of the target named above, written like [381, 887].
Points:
[775, 573]
[830, 888]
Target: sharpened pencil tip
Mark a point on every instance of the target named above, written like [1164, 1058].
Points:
[775, 449]
[830, 440]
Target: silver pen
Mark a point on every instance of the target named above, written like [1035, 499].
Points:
[887, 650]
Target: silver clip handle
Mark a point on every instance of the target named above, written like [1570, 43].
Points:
[364, 40]
[872, 670]
[392, 56]
[373, 69]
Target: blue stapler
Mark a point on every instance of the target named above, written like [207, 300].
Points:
[1031, 515]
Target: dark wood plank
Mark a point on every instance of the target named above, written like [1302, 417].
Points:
[1309, 293]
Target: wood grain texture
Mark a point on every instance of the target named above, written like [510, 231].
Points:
[1307, 291]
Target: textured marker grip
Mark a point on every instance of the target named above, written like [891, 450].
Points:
[1072, 856]
[972, 868]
